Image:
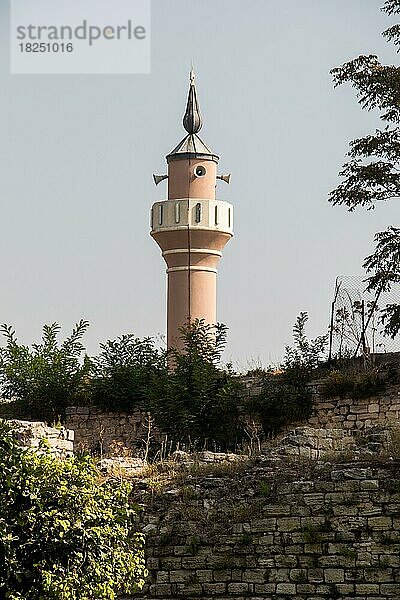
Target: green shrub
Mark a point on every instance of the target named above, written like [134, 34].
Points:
[285, 397]
[195, 403]
[352, 384]
[46, 378]
[281, 403]
[124, 371]
[64, 534]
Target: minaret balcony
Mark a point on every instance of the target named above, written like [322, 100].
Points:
[195, 213]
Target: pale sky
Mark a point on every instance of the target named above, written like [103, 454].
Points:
[78, 153]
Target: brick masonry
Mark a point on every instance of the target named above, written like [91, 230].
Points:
[276, 531]
[356, 414]
[95, 429]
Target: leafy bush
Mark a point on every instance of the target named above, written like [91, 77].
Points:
[353, 384]
[124, 371]
[45, 379]
[196, 401]
[64, 534]
[281, 403]
[285, 397]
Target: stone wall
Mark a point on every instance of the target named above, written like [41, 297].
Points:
[345, 413]
[275, 530]
[308, 442]
[31, 434]
[97, 431]
[355, 414]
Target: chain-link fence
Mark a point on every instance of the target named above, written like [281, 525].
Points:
[356, 327]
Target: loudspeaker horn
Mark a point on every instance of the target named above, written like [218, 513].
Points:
[158, 178]
[225, 178]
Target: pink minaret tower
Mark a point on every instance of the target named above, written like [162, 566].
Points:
[191, 227]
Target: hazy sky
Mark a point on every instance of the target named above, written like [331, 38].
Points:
[78, 153]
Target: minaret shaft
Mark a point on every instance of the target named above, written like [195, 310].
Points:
[191, 227]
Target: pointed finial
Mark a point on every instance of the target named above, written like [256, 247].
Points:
[192, 120]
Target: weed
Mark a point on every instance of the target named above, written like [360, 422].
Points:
[348, 552]
[194, 513]
[165, 539]
[386, 538]
[187, 492]
[118, 448]
[384, 562]
[222, 469]
[352, 384]
[264, 487]
[243, 512]
[312, 534]
[300, 577]
[246, 539]
[194, 544]
[391, 485]
[192, 579]
[334, 593]
[394, 446]
[57, 424]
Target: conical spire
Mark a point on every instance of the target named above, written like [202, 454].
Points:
[192, 146]
[192, 120]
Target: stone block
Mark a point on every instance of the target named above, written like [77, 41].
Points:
[179, 576]
[277, 510]
[263, 525]
[162, 589]
[254, 575]
[214, 588]
[204, 575]
[371, 484]
[355, 473]
[346, 589]
[286, 588]
[316, 575]
[223, 575]
[171, 562]
[238, 588]
[285, 560]
[162, 577]
[288, 524]
[305, 588]
[334, 575]
[265, 540]
[194, 562]
[191, 589]
[380, 522]
[314, 500]
[264, 588]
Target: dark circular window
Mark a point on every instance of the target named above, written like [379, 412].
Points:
[200, 171]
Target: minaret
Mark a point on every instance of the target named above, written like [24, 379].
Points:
[191, 226]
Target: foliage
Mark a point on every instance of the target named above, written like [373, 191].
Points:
[123, 373]
[301, 360]
[372, 173]
[285, 396]
[45, 379]
[64, 534]
[384, 266]
[353, 384]
[195, 402]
